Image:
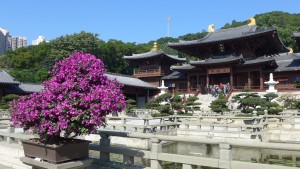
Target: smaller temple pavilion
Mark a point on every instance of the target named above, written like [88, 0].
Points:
[153, 65]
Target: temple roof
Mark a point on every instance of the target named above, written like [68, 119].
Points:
[271, 42]
[5, 78]
[153, 54]
[218, 60]
[130, 81]
[225, 60]
[220, 35]
[288, 62]
[260, 60]
[183, 67]
[175, 75]
[24, 88]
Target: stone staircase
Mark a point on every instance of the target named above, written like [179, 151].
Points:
[205, 101]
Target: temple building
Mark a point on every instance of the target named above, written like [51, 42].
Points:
[243, 57]
[153, 65]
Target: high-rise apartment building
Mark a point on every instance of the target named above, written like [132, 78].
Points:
[39, 40]
[8, 42]
[4, 44]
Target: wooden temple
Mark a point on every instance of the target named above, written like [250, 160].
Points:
[153, 65]
[243, 56]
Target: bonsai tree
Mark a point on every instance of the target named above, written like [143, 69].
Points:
[219, 105]
[176, 103]
[74, 101]
[191, 103]
[130, 105]
[270, 96]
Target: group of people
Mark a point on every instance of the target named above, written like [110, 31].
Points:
[216, 90]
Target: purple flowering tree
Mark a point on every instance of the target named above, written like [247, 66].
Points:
[75, 101]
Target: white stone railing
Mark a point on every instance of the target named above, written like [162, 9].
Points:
[156, 156]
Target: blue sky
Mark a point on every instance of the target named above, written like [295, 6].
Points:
[130, 21]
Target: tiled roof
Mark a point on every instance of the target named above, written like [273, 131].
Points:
[175, 75]
[183, 67]
[222, 34]
[31, 88]
[262, 59]
[130, 81]
[23, 88]
[271, 44]
[153, 54]
[218, 60]
[287, 62]
[5, 78]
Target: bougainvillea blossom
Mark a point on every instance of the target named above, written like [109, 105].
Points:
[74, 101]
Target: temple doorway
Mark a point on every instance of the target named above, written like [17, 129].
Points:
[216, 79]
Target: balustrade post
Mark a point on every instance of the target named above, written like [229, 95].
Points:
[293, 122]
[104, 144]
[187, 166]
[226, 124]
[175, 121]
[123, 121]
[266, 117]
[225, 156]
[10, 130]
[199, 119]
[128, 160]
[146, 122]
[156, 148]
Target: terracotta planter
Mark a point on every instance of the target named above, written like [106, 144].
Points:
[56, 154]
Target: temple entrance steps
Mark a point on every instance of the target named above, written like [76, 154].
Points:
[205, 100]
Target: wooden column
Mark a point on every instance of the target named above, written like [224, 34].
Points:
[1, 92]
[261, 79]
[147, 101]
[197, 80]
[231, 76]
[189, 84]
[207, 80]
[249, 80]
[136, 96]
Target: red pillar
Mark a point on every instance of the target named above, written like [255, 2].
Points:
[231, 76]
[261, 79]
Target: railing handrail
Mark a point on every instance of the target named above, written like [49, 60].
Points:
[190, 139]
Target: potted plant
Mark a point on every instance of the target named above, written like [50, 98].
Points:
[74, 102]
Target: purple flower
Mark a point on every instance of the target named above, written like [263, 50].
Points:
[75, 100]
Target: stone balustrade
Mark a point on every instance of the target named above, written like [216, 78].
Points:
[10, 139]
[156, 155]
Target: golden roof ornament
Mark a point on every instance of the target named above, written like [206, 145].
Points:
[252, 22]
[155, 47]
[211, 28]
[291, 51]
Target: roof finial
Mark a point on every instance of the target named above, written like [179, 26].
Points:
[211, 28]
[155, 47]
[252, 22]
[291, 51]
